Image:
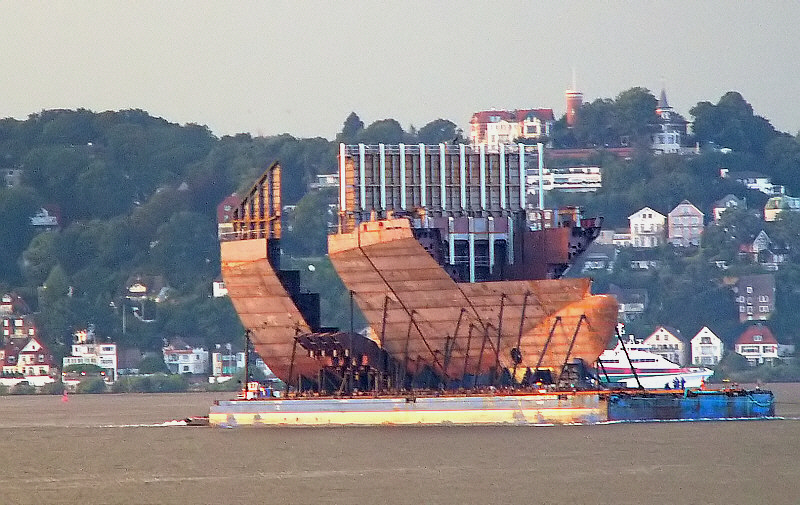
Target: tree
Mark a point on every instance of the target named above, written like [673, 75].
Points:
[438, 131]
[153, 364]
[351, 129]
[731, 123]
[386, 131]
[17, 205]
[635, 115]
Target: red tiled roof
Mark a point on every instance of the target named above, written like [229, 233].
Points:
[747, 336]
[512, 116]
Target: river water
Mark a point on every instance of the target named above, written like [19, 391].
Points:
[117, 449]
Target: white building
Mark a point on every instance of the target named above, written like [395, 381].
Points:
[647, 228]
[85, 351]
[707, 348]
[667, 342]
[193, 360]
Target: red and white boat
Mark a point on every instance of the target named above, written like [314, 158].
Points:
[654, 371]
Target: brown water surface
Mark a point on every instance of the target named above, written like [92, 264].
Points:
[99, 449]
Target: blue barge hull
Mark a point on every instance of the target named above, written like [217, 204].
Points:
[691, 404]
[588, 407]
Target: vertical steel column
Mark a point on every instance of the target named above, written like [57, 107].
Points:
[522, 186]
[519, 336]
[423, 200]
[362, 177]
[451, 240]
[382, 151]
[490, 226]
[471, 242]
[502, 176]
[463, 171]
[442, 169]
[510, 240]
[483, 175]
[342, 177]
[403, 176]
[540, 148]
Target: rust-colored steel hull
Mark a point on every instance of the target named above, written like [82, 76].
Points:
[265, 308]
[424, 318]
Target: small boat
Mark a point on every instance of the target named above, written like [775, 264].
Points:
[654, 371]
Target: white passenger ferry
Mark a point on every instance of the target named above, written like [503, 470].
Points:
[654, 371]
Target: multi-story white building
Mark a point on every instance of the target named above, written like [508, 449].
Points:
[667, 342]
[193, 360]
[758, 345]
[647, 228]
[707, 348]
[685, 225]
[85, 351]
[495, 127]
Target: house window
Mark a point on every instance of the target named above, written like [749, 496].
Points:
[763, 298]
[757, 338]
[763, 309]
[741, 309]
[186, 368]
[749, 309]
[705, 340]
[749, 289]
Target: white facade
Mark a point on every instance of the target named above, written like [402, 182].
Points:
[757, 353]
[193, 361]
[707, 348]
[665, 343]
[103, 355]
[647, 228]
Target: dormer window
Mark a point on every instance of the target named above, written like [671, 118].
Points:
[758, 338]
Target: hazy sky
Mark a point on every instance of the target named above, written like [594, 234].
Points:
[269, 67]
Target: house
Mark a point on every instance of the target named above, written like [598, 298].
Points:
[764, 251]
[87, 351]
[142, 291]
[225, 210]
[644, 259]
[685, 225]
[325, 181]
[17, 327]
[670, 128]
[632, 302]
[598, 257]
[11, 303]
[26, 359]
[495, 127]
[778, 204]
[755, 297]
[707, 348]
[727, 202]
[752, 180]
[668, 343]
[218, 289]
[758, 345]
[47, 218]
[647, 228]
[226, 363]
[183, 358]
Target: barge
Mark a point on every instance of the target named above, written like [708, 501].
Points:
[547, 408]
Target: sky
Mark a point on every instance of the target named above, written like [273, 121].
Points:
[271, 67]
